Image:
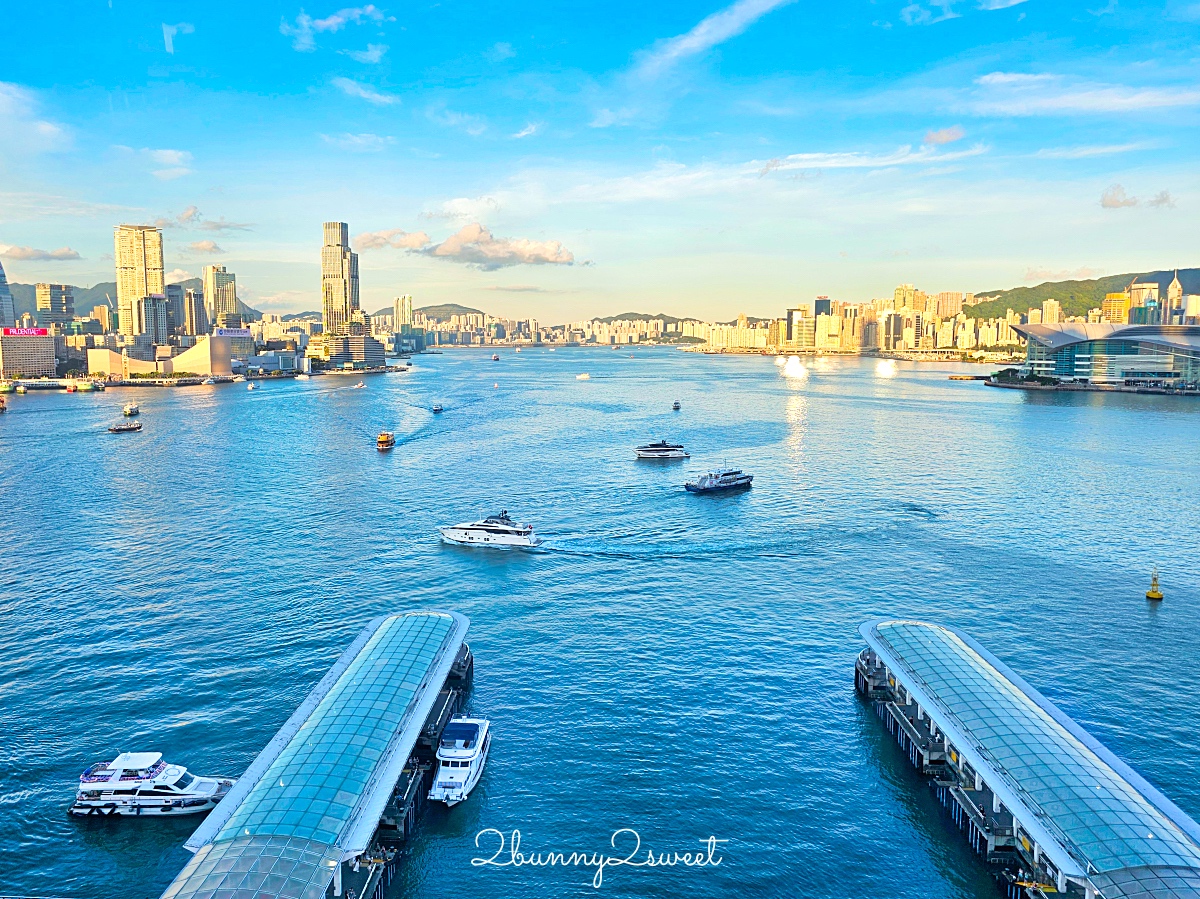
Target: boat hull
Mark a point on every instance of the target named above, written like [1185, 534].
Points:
[452, 797]
[723, 488]
[673, 454]
[469, 537]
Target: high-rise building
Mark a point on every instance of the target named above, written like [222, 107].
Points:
[220, 290]
[949, 304]
[175, 314]
[55, 304]
[402, 312]
[27, 352]
[152, 319]
[195, 318]
[1115, 308]
[339, 279]
[822, 306]
[8, 314]
[103, 315]
[139, 261]
[1051, 312]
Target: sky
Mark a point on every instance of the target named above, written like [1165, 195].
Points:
[560, 161]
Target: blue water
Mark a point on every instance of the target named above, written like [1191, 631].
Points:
[681, 665]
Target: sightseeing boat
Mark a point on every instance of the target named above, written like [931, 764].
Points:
[141, 783]
[661, 450]
[495, 530]
[719, 480]
[131, 409]
[126, 428]
[385, 441]
[461, 754]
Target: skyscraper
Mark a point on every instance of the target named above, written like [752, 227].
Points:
[401, 312]
[220, 291]
[139, 260]
[339, 279]
[195, 319]
[55, 304]
[152, 319]
[8, 314]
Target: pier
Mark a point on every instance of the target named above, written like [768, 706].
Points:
[1035, 795]
[325, 809]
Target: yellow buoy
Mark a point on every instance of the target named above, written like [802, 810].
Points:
[1154, 593]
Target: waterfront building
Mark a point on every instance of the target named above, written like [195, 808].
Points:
[220, 292]
[211, 356]
[55, 304]
[8, 313]
[1035, 794]
[347, 351]
[1104, 353]
[339, 279]
[139, 262]
[301, 819]
[402, 312]
[28, 352]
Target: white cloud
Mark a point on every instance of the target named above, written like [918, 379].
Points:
[19, 115]
[222, 225]
[372, 55]
[528, 130]
[1114, 198]
[999, 4]
[1162, 200]
[30, 254]
[472, 124]
[945, 135]
[1087, 152]
[708, 33]
[464, 209]
[500, 52]
[191, 217]
[362, 143]
[396, 238]
[169, 32]
[1019, 94]
[916, 14]
[364, 92]
[176, 163]
[206, 247]
[475, 245]
[305, 27]
[175, 276]
[1046, 274]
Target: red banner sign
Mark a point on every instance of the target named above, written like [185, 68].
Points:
[26, 332]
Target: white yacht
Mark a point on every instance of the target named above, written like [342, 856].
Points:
[303, 376]
[239, 379]
[141, 783]
[131, 409]
[661, 450]
[252, 386]
[495, 530]
[461, 754]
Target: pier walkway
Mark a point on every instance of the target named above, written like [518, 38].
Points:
[1034, 793]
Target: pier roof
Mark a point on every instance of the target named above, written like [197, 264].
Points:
[314, 795]
[1056, 336]
[1092, 815]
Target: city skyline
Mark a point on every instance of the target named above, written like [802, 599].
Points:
[697, 161]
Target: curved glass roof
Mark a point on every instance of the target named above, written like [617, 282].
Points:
[1079, 792]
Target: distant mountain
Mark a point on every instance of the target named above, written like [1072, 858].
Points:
[634, 316]
[103, 294]
[1076, 297]
[442, 312]
[296, 316]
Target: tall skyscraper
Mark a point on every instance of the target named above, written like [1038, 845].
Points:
[55, 304]
[339, 279]
[220, 291]
[195, 318]
[175, 313]
[139, 260]
[8, 314]
[1051, 312]
[402, 312]
[152, 319]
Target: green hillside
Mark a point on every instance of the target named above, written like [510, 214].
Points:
[1076, 297]
[102, 294]
[443, 311]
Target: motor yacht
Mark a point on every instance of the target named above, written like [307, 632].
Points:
[675, 405]
[437, 409]
[126, 427]
[495, 530]
[208, 382]
[721, 479]
[461, 754]
[583, 377]
[661, 450]
[359, 386]
[239, 379]
[303, 376]
[385, 441]
[495, 357]
[141, 783]
[131, 409]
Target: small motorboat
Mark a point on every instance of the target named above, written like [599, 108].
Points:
[252, 386]
[239, 379]
[303, 376]
[126, 428]
[131, 409]
[385, 441]
[72, 387]
[676, 406]
[495, 357]
[661, 450]
[461, 754]
[437, 409]
[359, 386]
[209, 381]
[583, 377]
[141, 783]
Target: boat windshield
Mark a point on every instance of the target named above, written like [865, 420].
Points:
[459, 735]
[184, 782]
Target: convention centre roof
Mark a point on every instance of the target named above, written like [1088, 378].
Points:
[1093, 816]
[314, 795]
[1179, 337]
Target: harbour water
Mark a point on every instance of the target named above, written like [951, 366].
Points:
[680, 665]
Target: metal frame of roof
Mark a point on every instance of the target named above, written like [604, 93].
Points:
[1057, 336]
[280, 854]
[1038, 822]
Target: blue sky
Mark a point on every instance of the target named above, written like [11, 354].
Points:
[556, 161]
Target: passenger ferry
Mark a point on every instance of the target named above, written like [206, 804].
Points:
[721, 479]
[495, 530]
[661, 450]
[461, 754]
[131, 409]
[141, 783]
[385, 441]
[126, 427]
[6, 386]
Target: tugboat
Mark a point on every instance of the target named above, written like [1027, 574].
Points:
[437, 409]
[495, 530]
[126, 428]
[1154, 593]
[461, 754]
[721, 479]
[141, 783]
[385, 441]
[131, 409]
[675, 405]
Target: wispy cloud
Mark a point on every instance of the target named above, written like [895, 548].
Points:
[175, 276]
[1020, 94]
[528, 131]
[191, 217]
[372, 55]
[1086, 152]
[999, 4]
[169, 32]
[1114, 197]
[945, 136]
[472, 124]
[1162, 200]
[303, 31]
[32, 254]
[205, 247]
[364, 92]
[360, 143]
[499, 52]
[917, 14]
[396, 238]
[175, 163]
[19, 114]
[708, 33]
[474, 245]
[1047, 274]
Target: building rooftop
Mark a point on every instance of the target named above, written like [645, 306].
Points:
[314, 795]
[1093, 816]
[1056, 336]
